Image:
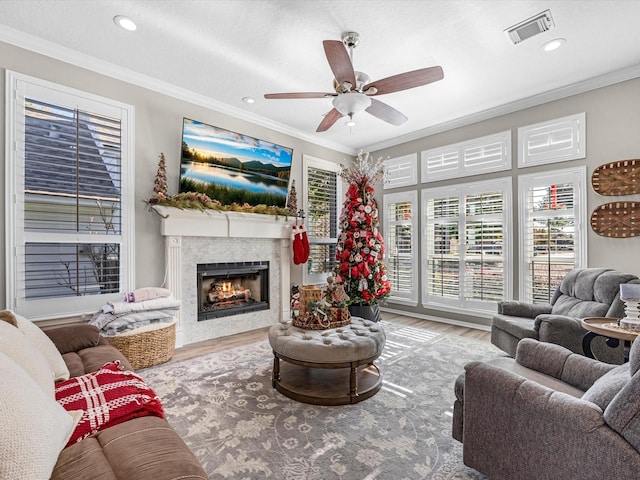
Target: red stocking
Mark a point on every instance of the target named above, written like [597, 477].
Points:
[305, 244]
[296, 241]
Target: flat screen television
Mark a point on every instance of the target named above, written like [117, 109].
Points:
[233, 168]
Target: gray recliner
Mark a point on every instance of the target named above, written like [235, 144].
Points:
[550, 414]
[584, 292]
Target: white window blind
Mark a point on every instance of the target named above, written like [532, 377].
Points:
[552, 233]
[556, 140]
[491, 153]
[322, 188]
[400, 227]
[67, 177]
[466, 244]
[401, 171]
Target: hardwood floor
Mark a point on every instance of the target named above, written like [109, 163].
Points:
[217, 344]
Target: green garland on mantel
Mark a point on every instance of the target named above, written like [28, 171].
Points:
[200, 201]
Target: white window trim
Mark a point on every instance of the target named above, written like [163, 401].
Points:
[314, 162]
[578, 177]
[16, 83]
[407, 164]
[460, 169]
[574, 123]
[459, 305]
[411, 298]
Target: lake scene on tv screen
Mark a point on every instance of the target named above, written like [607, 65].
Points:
[233, 168]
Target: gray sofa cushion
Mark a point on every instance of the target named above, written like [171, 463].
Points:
[623, 413]
[607, 386]
[610, 384]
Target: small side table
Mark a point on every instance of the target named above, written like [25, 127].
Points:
[609, 328]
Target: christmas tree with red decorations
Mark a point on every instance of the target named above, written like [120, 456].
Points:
[360, 248]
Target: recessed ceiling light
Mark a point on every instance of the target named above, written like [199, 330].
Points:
[248, 100]
[553, 44]
[124, 22]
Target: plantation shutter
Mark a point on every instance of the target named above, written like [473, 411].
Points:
[484, 233]
[443, 247]
[400, 230]
[551, 238]
[321, 220]
[72, 201]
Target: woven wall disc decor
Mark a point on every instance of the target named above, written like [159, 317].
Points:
[617, 178]
[617, 220]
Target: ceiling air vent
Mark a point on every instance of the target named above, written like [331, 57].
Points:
[530, 27]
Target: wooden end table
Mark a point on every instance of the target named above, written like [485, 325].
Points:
[608, 328]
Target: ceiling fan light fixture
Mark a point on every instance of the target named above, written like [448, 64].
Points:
[350, 122]
[351, 103]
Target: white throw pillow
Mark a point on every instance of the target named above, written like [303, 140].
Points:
[46, 347]
[34, 428]
[18, 347]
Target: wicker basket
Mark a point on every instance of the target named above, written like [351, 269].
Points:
[309, 293]
[147, 348]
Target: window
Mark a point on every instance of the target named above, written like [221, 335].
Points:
[552, 141]
[552, 232]
[466, 244]
[400, 231]
[323, 189]
[67, 177]
[481, 155]
[401, 171]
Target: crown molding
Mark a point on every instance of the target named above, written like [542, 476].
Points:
[535, 100]
[82, 60]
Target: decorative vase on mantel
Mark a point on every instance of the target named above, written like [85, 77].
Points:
[360, 248]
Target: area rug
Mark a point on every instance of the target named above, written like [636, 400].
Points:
[239, 427]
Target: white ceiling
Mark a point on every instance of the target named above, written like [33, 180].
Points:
[219, 51]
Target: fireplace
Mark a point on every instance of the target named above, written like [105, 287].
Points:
[226, 289]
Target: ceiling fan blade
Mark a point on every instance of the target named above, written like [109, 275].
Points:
[339, 61]
[404, 81]
[300, 95]
[386, 113]
[328, 121]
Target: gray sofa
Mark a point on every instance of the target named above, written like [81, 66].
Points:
[584, 292]
[550, 414]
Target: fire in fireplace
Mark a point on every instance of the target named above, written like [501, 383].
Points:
[226, 289]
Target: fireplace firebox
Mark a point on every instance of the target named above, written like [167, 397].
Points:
[226, 289]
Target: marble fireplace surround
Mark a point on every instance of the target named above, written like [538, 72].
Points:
[194, 236]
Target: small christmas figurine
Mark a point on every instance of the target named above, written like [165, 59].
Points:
[334, 293]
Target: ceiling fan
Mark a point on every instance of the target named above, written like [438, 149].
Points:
[354, 90]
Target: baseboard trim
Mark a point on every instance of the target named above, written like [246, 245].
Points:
[476, 326]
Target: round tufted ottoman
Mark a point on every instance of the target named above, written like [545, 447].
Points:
[327, 367]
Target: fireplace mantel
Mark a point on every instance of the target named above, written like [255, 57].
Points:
[194, 236]
[215, 223]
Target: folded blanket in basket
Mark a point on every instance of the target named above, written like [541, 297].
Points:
[161, 303]
[110, 324]
[146, 293]
[106, 397]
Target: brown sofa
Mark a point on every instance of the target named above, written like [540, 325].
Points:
[144, 448]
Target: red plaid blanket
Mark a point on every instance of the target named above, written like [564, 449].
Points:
[107, 397]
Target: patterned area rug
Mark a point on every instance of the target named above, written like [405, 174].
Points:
[239, 427]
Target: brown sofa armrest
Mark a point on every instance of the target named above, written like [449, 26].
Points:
[73, 338]
[514, 308]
